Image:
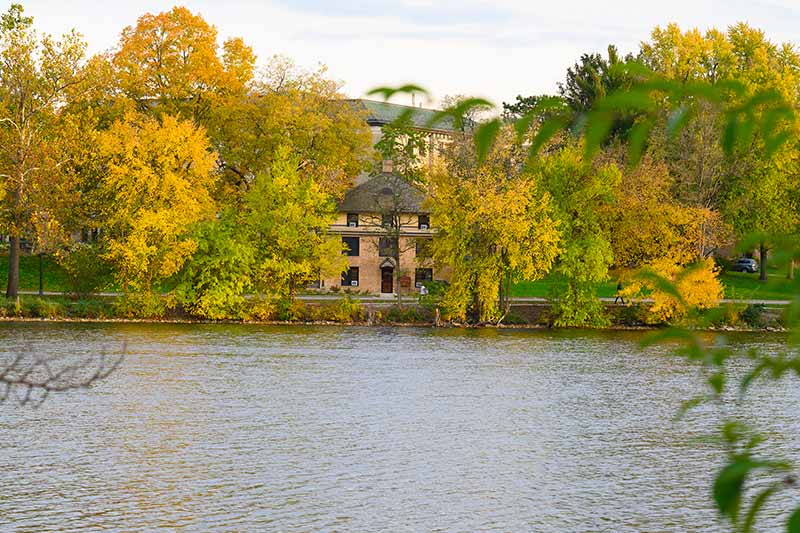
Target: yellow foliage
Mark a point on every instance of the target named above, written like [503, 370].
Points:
[697, 287]
[156, 185]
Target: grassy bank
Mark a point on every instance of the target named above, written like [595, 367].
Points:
[738, 285]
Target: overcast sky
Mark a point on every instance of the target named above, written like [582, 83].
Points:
[490, 48]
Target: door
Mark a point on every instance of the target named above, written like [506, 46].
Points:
[387, 280]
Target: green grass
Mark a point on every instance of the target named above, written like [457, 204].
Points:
[53, 276]
[738, 285]
[744, 286]
[541, 288]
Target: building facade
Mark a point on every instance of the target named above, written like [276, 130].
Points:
[382, 220]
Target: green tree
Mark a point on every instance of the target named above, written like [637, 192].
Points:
[274, 244]
[494, 226]
[37, 76]
[580, 192]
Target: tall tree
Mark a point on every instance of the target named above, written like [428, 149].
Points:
[37, 76]
[157, 182]
[171, 62]
[494, 226]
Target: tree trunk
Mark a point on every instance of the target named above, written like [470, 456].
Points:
[762, 251]
[790, 273]
[12, 290]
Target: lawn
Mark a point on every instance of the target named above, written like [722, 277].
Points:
[53, 276]
[744, 286]
[738, 285]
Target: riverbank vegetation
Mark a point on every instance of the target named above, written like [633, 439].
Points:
[204, 182]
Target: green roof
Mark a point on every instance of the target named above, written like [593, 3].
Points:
[380, 113]
[384, 193]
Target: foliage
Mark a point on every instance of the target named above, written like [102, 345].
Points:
[171, 59]
[86, 268]
[687, 287]
[580, 192]
[288, 107]
[494, 225]
[753, 315]
[38, 76]
[216, 280]
[405, 146]
[157, 183]
[274, 244]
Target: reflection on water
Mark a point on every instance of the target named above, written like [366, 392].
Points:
[247, 428]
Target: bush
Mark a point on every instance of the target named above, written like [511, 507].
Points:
[401, 314]
[348, 310]
[87, 271]
[42, 308]
[513, 319]
[91, 309]
[753, 315]
[141, 305]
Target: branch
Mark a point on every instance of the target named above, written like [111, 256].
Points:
[31, 378]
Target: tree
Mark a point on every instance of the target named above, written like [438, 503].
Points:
[274, 244]
[287, 107]
[580, 193]
[170, 63]
[494, 226]
[37, 75]
[157, 182]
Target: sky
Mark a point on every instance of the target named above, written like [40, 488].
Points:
[490, 48]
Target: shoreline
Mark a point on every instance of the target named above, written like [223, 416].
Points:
[538, 327]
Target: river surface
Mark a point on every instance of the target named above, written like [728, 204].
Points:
[251, 428]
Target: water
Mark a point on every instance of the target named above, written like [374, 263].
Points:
[248, 428]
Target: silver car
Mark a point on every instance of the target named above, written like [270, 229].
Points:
[744, 264]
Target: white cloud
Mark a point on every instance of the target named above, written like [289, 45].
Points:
[496, 48]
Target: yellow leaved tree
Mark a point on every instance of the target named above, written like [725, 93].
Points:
[156, 183]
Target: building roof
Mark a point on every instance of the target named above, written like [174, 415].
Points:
[381, 113]
[384, 193]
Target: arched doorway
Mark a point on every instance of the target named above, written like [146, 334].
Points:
[387, 280]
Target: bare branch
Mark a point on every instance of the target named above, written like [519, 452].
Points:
[30, 378]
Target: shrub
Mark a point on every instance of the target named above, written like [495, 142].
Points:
[42, 308]
[753, 315]
[87, 271]
[402, 314]
[141, 305]
[91, 309]
[513, 319]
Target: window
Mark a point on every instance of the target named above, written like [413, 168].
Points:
[424, 221]
[352, 244]
[350, 278]
[423, 248]
[352, 220]
[387, 247]
[422, 275]
[387, 221]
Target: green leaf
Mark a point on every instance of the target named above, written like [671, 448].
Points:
[387, 92]
[755, 507]
[485, 136]
[793, 525]
[546, 131]
[637, 137]
[598, 124]
[523, 124]
[728, 487]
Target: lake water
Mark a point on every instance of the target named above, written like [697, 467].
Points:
[250, 428]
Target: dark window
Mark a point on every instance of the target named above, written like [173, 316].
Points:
[352, 246]
[350, 278]
[422, 275]
[387, 247]
[387, 221]
[423, 248]
[352, 220]
[424, 221]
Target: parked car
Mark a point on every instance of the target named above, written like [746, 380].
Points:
[744, 264]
